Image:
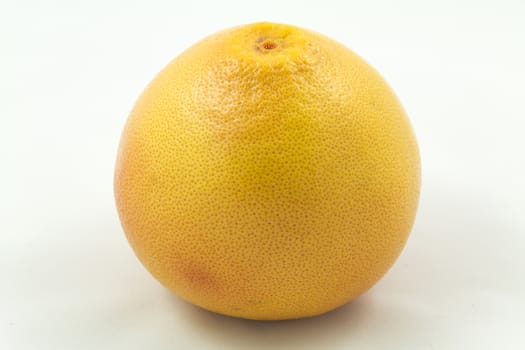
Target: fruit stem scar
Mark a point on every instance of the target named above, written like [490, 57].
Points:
[268, 45]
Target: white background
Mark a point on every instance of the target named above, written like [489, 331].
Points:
[70, 73]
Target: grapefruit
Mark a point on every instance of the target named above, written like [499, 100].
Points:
[268, 172]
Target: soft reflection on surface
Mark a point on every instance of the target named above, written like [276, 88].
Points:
[235, 333]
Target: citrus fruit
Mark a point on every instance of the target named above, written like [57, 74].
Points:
[268, 172]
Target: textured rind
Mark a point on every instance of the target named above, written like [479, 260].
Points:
[267, 184]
